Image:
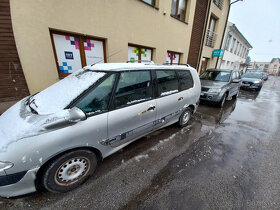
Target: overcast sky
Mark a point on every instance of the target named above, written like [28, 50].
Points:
[259, 22]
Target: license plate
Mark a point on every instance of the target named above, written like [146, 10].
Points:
[246, 84]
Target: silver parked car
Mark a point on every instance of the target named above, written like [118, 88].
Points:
[217, 85]
[57, 137]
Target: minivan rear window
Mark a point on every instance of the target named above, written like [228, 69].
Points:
[167, 82]
[133, 87]
[185, 80]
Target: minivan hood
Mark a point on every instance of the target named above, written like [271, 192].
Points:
[212, 84]
[18, 123]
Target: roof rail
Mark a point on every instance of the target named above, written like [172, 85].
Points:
[181, 64]
[144, 61]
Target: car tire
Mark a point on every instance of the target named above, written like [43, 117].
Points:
[68, 171]
[185, 117]
[236, 95]
[222, 101]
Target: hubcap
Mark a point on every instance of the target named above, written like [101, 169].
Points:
[72, 171]
[186, 117]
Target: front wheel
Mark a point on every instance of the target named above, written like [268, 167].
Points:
[185, 117]
[68, 170]
[222, 101]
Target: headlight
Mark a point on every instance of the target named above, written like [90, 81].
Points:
[214, 90]
[5, 165]
[257, 82]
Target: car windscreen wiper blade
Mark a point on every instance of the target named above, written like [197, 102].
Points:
[29, 101]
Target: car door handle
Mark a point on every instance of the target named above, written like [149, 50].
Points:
[180, 99]
[151, 108]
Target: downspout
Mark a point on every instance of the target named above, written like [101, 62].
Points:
[203, 36]
[224, 32]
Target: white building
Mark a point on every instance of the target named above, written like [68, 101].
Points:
[236, 49]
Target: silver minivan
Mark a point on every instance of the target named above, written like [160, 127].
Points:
[56, 138]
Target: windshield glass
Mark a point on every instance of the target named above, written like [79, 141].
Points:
[62, 93]
[252, 75]
[221, 76]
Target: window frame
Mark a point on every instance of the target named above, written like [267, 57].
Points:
[177, 8]
[111, 103]
[141, 47]
[173, 52]
[154, 3]
[156, 81]
[81, 48]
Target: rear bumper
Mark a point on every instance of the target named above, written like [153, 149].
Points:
[18, 184]
[251, 87]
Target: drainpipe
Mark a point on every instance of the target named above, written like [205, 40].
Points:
[225, 31]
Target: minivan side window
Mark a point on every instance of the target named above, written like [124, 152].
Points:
[133, 87]
[167, 82]
[98, 99]
[185, 80]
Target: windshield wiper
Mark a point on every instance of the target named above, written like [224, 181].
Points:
[29, 101]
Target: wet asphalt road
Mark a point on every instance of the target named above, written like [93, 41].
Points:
[225, 159]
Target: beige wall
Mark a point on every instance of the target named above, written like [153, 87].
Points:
[221, 23]
[118, 21]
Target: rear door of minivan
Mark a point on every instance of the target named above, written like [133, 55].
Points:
[169, 100]
[133, 107]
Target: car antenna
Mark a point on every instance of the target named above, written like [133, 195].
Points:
[107, 57]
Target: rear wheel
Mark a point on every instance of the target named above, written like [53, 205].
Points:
[185, 117]
[69, 170]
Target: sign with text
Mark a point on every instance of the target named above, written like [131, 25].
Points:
[217, 53]
[68, 55]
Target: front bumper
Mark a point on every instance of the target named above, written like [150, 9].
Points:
[25, 185]
[212, 97]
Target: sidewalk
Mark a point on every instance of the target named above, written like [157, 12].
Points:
[6, 105]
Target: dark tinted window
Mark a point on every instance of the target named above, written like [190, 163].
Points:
[167, 82]
[133, 87]
[185, 79]
[97, 100]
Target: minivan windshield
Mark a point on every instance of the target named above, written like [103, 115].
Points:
[252, 75]
[59, 95]
[220, 76]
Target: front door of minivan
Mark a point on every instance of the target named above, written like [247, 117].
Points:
[134, 109]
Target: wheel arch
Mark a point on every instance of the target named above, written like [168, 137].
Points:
[42, 168]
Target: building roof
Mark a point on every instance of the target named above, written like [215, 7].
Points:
[274, 59]
[236, 29]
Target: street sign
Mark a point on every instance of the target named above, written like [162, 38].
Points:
[217, 53]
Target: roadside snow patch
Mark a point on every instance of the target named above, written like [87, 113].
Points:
[139, 157]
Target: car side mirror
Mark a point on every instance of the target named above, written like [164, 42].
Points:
[76, 115]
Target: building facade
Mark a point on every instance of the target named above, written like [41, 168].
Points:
[274, 67]
[213, 33]
[263, 66]
[52, 38]
[236, 49]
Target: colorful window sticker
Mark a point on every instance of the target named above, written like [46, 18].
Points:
[93, 51]
[139, 53]
[67, 52]
[133, 54]
[172, 58]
